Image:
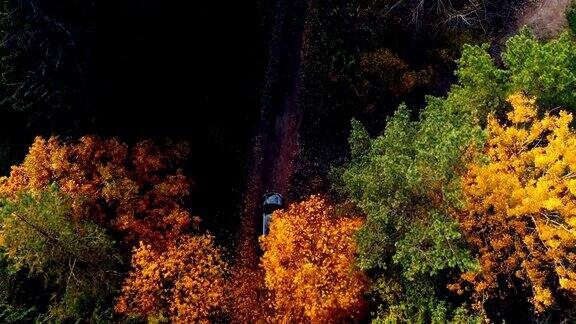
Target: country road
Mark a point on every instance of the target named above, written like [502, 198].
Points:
[276, 144]
[275, 149]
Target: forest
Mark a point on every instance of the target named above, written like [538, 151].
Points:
[424, 152]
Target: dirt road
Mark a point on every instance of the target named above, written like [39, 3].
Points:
[275, 149]
[276, 144]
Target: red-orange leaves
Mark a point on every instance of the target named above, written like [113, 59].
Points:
[137, 191]
[309, 263]
[185, 282]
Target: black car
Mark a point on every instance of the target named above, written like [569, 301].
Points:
[271, 201]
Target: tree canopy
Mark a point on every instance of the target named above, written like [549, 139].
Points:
[309, 264]
[520, 213]
[546, 70]
[406, 181]
[77, 258]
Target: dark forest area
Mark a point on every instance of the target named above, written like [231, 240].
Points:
[140, 70]
[277, 161]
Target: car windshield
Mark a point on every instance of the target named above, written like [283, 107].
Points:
[270, 208]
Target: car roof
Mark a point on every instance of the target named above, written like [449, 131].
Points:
[273, 198]
[268, 194]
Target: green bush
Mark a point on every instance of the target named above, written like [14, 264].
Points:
[75, 259]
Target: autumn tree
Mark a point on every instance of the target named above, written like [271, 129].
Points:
[520, 216]
[309, 260]
[408, 180]
[82, 190]
[77, 258]
[407, 183]
[184, 283]
[137, 191]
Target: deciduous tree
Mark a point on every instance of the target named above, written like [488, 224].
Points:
[407, 182]
[77, 258]
[309, 263]
[184, 283]
[545, 70]
[137, 191]
[521, 207]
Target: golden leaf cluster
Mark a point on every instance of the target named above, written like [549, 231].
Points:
[521, 206]
[309, 263]
[185, 282]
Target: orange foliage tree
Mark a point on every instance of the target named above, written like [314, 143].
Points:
[309, 263]
[521, 207]
[138, 191]
[185, 282]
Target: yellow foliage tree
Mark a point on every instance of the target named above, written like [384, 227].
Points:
[185, 282]
[309, 263]
[521, 206]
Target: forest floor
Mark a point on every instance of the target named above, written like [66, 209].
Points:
[546, 19]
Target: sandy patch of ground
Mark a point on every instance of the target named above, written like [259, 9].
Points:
[547, 18]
